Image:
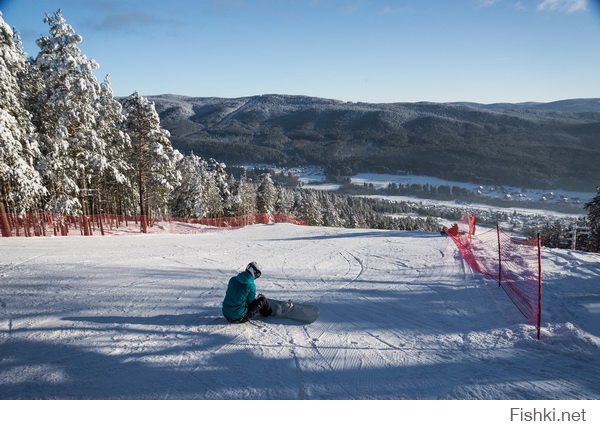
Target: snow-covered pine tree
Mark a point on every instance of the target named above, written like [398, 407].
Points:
[20, 183]
[310, 210]
[221, 181]
[266, 195]
[354, 215]
[64, 110]
[153, 157]
[284, 202]
[331, 215]
[245, 197]
[91, 151]
[593, 208]
[298, 198]
[114, 189]
[212, 198]
[552, 235]
[188, 198]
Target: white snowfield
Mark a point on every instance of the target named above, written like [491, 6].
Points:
[139, 316]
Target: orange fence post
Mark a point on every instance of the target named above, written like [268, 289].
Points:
[539, 315]
[499, 256]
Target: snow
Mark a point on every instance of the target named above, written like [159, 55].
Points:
[380, 181]
[322, 187]
[472, 207]
[138, 316]
[230, 113]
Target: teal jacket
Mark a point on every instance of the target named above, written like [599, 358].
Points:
[241, 291]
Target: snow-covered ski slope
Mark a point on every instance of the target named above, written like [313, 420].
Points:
[138, 316]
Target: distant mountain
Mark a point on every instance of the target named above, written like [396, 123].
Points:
[572, 105]
[554, 145]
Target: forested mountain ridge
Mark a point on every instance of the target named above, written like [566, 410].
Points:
[554, 145]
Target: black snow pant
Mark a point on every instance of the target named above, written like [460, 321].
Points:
[260, 304]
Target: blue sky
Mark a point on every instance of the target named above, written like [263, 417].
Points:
[356, 50]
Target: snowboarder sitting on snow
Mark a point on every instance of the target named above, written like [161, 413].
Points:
[240, 302]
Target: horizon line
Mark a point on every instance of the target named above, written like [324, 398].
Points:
[371, 102]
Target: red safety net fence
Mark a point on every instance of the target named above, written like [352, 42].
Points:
[514, 263]
[49, 224]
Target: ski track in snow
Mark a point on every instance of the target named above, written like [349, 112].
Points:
[402, 317]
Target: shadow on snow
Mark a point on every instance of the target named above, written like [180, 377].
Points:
[197, 372]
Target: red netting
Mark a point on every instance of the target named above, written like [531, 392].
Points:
[513, 263]
[48, 224]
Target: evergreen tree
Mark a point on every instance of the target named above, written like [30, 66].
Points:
[310, 210]
[188, 199]
[298, 202]
[212, 198]
[220, 179]
[153, 157]
[114, 189]
[236, 201]
[593, 208]
[331, 216]
[284, 202]
[20, 183]
[64, 112]
[266, 195]
[553, 235]
[245, 197]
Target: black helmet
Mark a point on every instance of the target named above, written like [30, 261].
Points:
[254, 269]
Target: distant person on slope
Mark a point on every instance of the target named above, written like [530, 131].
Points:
[240, 302]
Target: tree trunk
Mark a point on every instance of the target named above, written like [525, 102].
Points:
[85, 225]
[142, 192]
[4, 224]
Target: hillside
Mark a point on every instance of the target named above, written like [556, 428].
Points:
[541, 145]
[139, 316]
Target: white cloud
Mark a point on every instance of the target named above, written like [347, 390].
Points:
[520, 6]
[487, 3]
[568, 6]
[392, 10]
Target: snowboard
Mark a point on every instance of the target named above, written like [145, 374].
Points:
[301, 312]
